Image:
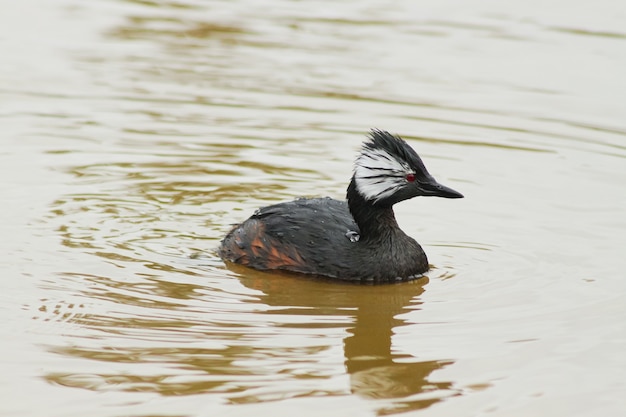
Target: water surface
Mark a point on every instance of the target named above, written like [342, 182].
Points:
[135, 133]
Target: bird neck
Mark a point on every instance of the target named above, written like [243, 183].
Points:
[375, 221]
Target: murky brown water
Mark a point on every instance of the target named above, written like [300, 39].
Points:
[135, 132]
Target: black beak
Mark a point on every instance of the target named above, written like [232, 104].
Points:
[434, 189]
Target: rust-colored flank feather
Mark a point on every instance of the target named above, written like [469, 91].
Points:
[249, 244]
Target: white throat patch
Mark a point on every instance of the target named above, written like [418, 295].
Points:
[378, 174]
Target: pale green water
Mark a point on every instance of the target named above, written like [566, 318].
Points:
[135, 133]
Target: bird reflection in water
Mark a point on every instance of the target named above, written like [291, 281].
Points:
[375, 371]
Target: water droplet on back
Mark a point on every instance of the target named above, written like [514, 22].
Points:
[353, 236]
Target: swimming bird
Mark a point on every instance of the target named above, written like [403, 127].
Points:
[355, 240]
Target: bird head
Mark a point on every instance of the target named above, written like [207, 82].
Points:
[388, 170]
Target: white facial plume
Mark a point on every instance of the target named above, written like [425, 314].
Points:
[378, 174]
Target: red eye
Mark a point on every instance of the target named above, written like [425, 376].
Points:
[410, 177]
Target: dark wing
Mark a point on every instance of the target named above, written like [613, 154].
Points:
[304, 235]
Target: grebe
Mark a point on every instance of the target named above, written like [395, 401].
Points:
[355, 240]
